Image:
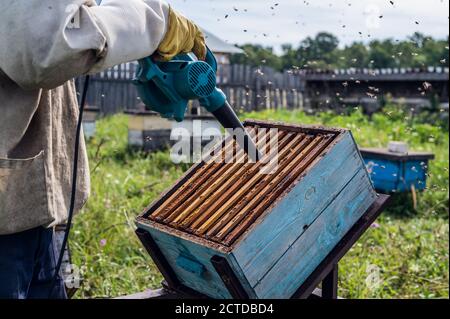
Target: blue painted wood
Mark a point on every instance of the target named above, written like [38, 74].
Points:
[190, 265]
[209, 283]
[416, 171]
[303, 256]
[283, 246]
[397, 176]
[240, 274]
[267, 241]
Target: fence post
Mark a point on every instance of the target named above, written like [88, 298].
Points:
[248, 88]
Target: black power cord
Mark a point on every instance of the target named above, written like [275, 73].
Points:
[74, 185]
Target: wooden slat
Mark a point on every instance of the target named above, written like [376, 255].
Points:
[246, 211]
[306, 253]
[286, 219]
[202, 191]
[230, 192]
[243, 190]
[289, 175]
[224, 180]
[203, 172]
[199, 178]
[220, 201]
[242, 207]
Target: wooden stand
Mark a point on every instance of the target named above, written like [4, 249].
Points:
[326, 273]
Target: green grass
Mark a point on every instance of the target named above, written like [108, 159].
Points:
[405, 257]
[103, 242]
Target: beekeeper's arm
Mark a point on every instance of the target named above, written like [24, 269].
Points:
[44, 43]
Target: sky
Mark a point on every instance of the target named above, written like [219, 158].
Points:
[273, 23]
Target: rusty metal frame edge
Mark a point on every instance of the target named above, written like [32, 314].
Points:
[305, 128]
[182, 234]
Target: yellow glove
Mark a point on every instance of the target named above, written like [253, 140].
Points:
[182, 36]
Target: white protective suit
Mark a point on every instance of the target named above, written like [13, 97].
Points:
[44, 44]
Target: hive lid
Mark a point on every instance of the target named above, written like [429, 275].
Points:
[383, 153]
[218, 202]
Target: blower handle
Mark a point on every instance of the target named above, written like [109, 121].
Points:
[211, 59]
[188, 57]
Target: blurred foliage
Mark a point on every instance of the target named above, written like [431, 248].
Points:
[257, 55]
[404, 256]
[323, 52]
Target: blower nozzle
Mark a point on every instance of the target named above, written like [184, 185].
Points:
[229, 120]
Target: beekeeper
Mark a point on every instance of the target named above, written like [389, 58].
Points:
[44, 44]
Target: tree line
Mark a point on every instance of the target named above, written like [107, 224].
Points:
[324, 52]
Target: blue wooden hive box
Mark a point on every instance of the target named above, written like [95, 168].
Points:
[396, 172]
[271, 230]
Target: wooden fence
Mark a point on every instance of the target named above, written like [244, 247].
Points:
[112, 91]
[247, 88]
[257, 88]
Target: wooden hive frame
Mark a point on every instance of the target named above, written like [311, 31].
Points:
[219, 201]
[219, 209]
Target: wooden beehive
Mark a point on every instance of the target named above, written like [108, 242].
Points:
[395, 172]
[90, 116]
[148, 131]
[272, 229]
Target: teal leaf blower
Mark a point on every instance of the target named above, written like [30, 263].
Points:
[167, 88]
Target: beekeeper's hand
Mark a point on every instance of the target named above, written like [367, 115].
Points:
[182, 36]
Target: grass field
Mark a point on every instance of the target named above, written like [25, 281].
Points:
[404, 255]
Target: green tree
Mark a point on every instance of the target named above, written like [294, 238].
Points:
[418, 39]
[319, 51]
[355, 55]
[257, 55]
[381, 54]
[323, 52]
[435, 52]
[408, 54]
[290, 58]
